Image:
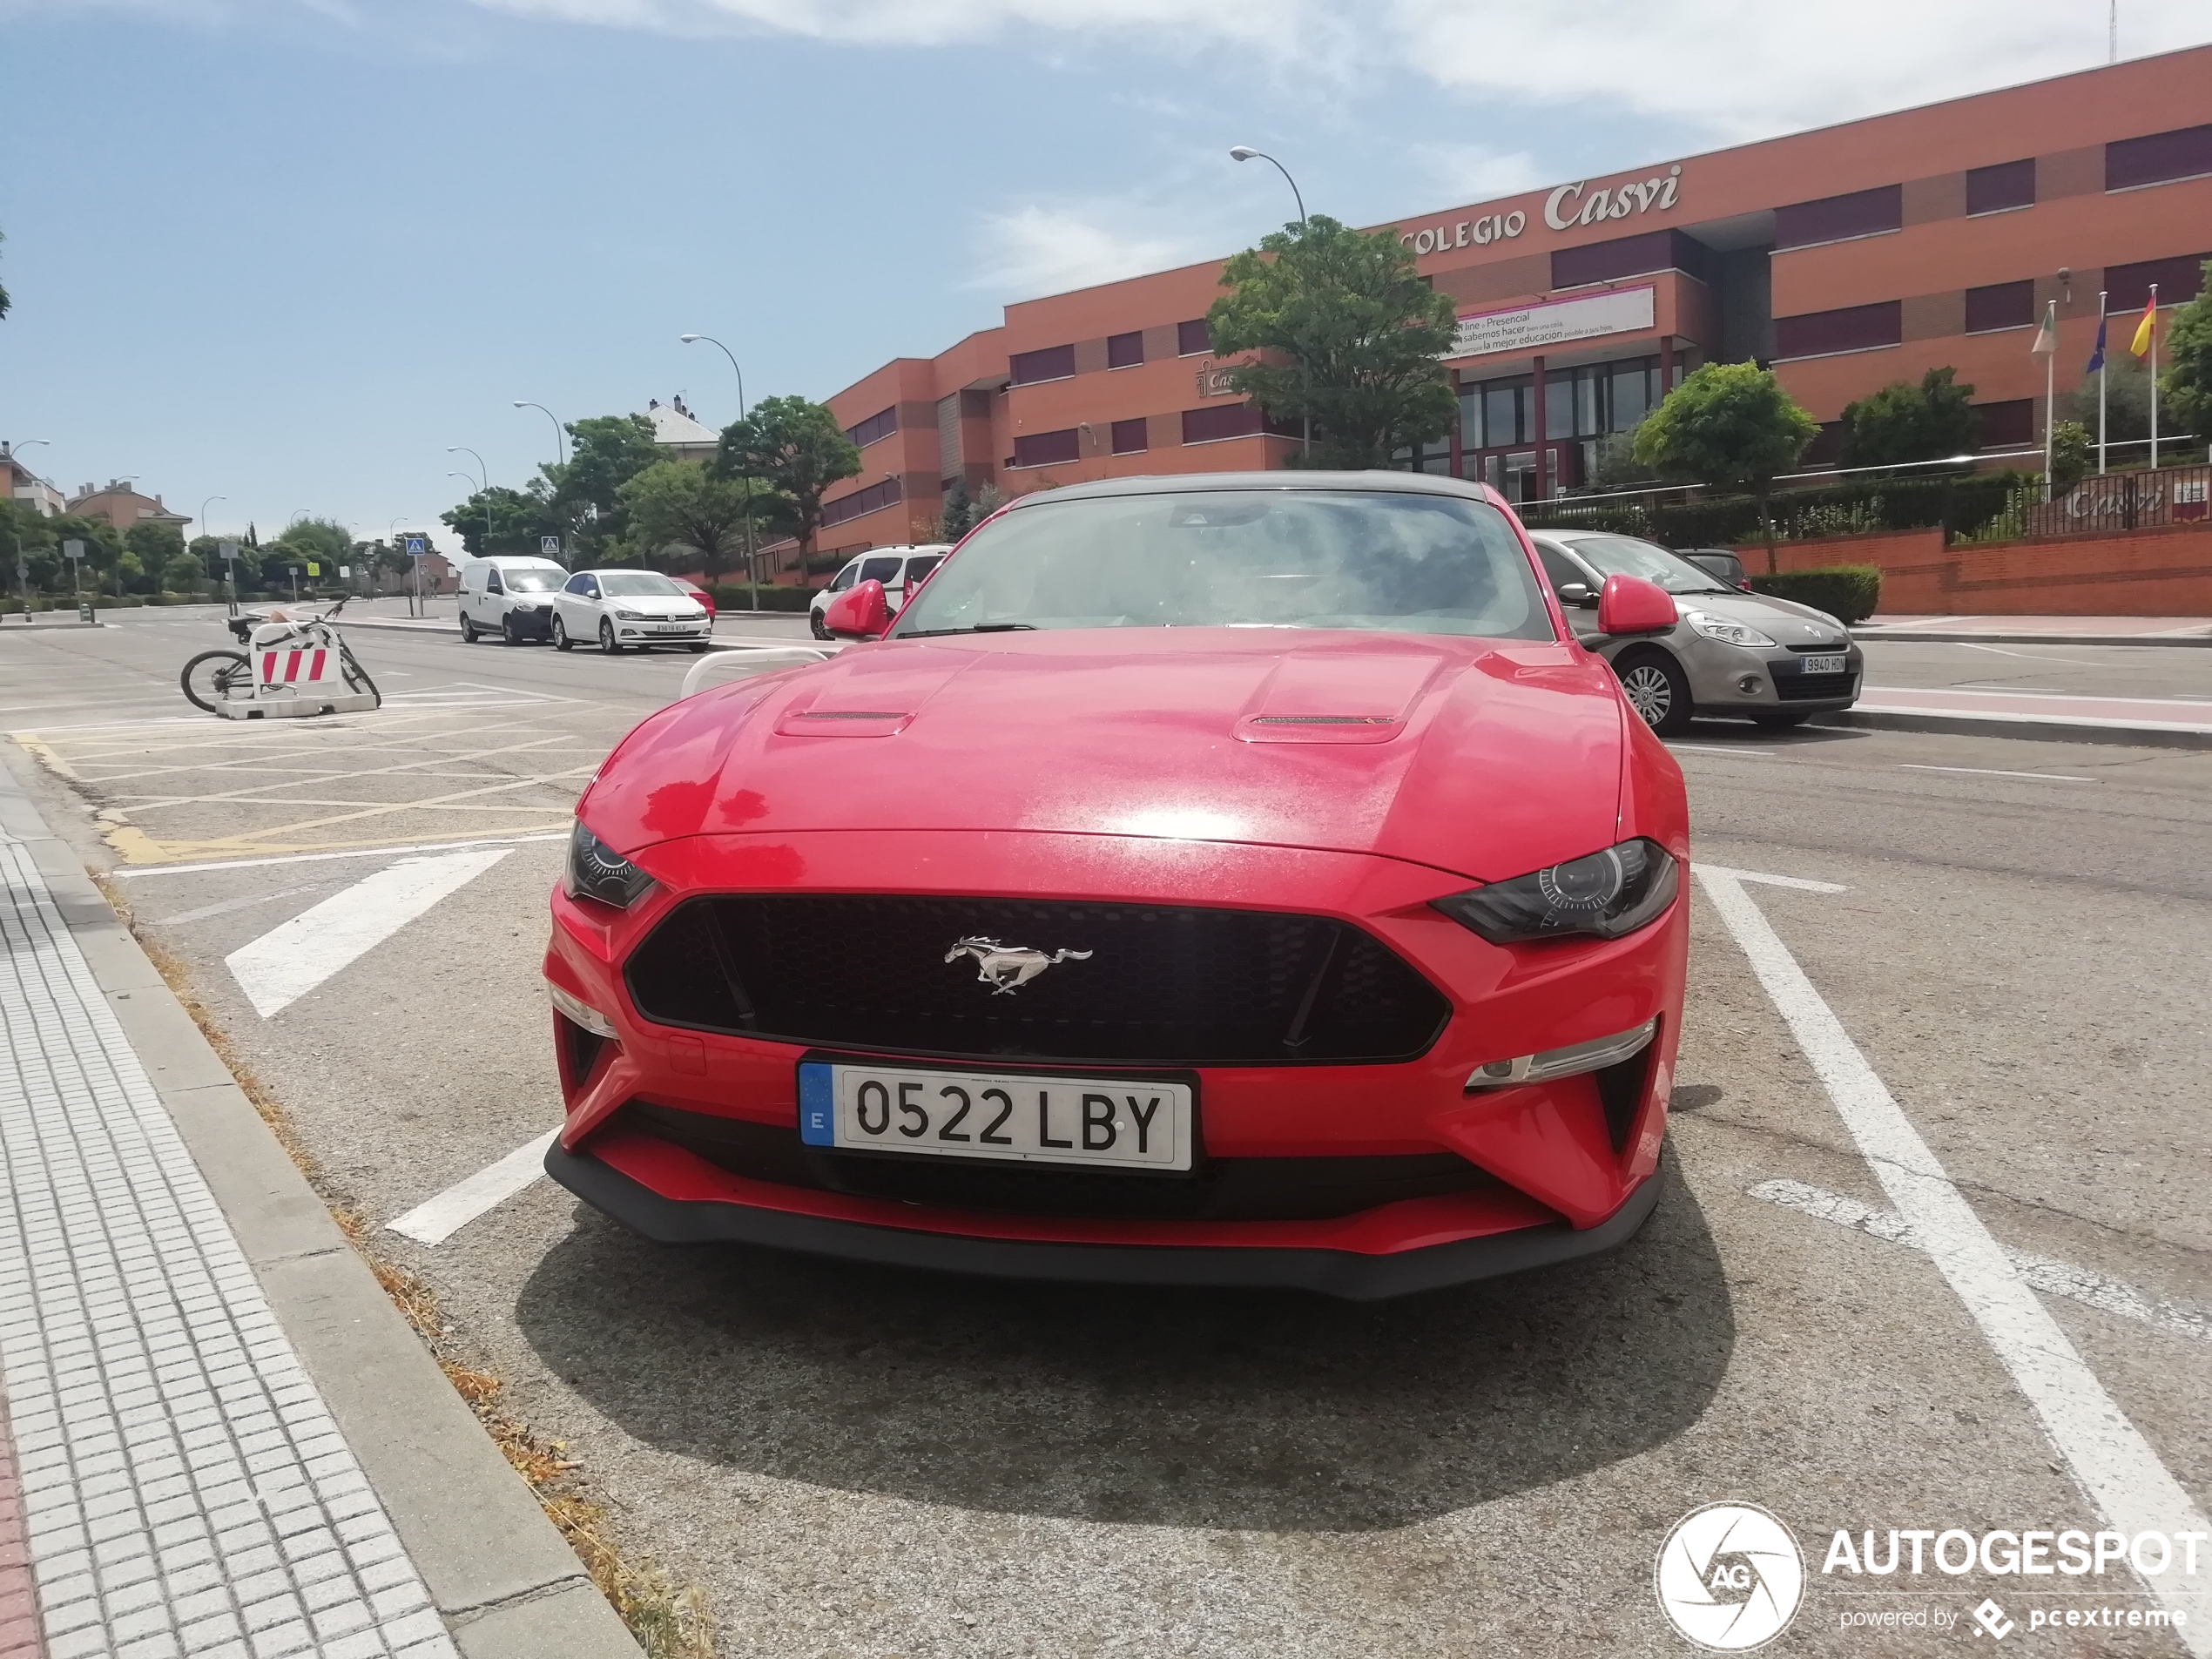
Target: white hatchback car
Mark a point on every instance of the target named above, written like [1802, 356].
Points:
[623, 609]
[899, 569]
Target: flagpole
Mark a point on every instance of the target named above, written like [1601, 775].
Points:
[2154, 377]
[2100, 382]
[2050, 392]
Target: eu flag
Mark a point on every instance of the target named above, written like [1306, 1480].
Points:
[2097, 357]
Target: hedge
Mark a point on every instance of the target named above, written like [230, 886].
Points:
[1959, 505]
[1848, 593]
[735, 596]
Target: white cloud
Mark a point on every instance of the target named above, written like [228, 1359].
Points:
[1737, 71]
[1474, 173]
[1026, 251]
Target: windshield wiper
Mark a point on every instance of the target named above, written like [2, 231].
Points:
[980, 627]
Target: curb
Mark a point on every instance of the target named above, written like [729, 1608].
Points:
[1870, 636]
[2022, 725]
[506, 1583]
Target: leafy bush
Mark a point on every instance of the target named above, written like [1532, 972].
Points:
[732, 597]
[1848, 593]
[1959, 505]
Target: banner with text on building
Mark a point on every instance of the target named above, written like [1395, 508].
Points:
[1533, 328]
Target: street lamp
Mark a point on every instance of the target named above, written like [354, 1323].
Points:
[8, 449]
[1245, 153]
[751, 575]
[464, 449]
[204, 530]
[560, 436]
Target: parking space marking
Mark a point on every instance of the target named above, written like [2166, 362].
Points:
[2046, 1273]
[1797, 881]
[2111, 1462]
[1991, 772]
[437, 1219]
[355, 853]
[284, 964]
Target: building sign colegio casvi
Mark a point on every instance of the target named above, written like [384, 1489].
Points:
[1564, 208]
[1531, 329]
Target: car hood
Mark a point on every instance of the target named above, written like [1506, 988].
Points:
[656, 604]
[1486, 758]
[1784, 621]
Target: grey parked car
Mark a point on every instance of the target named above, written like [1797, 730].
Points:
[1748, 655]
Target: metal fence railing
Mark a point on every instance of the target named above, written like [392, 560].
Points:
[2135, 500]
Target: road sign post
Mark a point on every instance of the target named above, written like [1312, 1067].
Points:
[550, 547]
[417, 546]
[73, 550]
[228, 551]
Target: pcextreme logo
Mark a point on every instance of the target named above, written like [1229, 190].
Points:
[1729, 1577]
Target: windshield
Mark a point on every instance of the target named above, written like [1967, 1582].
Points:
[638, 584]
[1286, 558]
[532, 580]
[1625, 556]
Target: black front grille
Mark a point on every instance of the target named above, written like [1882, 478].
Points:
[1220, 1190]
[1162, 985]
[1806, 688]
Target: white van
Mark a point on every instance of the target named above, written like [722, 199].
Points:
[899, 569]
[508, 595]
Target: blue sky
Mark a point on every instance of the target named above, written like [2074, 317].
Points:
[285, 251]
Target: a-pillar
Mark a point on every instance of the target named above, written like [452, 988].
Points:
[1543, 487]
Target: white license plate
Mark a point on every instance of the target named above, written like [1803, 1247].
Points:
[1821, 665]
[1109, 1123]
[673, 627]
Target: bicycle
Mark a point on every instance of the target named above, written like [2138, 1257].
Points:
[306, 668]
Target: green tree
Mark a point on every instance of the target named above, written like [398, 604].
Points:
[183, 574]
[1729, 425]
[2126, 400]
[679, 504]
[2071, 449]
[606, 451]
[500, 520]
[1355, 339]
[2185, 383]
[794, 450]
[1904, 422]
[103, 546]
[155, 544]
[4, 293]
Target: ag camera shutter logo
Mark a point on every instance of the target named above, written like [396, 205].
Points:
[1729, 1577]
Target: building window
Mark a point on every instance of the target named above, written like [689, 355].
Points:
[1834, 218]
[2006, 426]
[1053, 363]
[1125, 351]
[2001, 305]
[861, 502]
[1992, 189]
[1231, 420]
[2127, 287]
[879, 425]
[1821, 333]
[2158, 159]
[1047, 449]
[1132, 438]
[1628, 256]
[1192, 339]
[1585, 402]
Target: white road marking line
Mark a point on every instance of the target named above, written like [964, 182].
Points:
[2052, 1277]
[2111, 1462]
[228, 905]
[284, 964]
[437, 1219]
[317, 857]
[1797, 881]
[1991, 772]
[2032, 657]
[1716, 749]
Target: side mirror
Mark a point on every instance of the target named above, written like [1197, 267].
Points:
[862, 612]
[1629, 605]
[1576, 593]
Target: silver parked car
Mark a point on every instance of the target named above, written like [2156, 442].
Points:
[1748, 655]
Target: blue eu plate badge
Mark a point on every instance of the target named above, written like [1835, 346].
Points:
[817, 1104]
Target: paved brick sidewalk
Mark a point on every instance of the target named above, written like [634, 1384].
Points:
[184, 1490]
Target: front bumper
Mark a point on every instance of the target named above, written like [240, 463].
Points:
[1560, 1164]
[535, 623]
[600, 1182]
[633, 633]
[1724, 677]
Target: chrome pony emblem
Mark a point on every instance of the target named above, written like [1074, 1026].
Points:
[1006, 969]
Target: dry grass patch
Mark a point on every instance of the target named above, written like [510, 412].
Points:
[669, 1621]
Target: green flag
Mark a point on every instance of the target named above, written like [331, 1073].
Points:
[2046, 337]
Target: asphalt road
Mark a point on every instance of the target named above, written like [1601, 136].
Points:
[852, 1461]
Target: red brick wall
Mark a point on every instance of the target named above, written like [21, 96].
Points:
[2147, 573]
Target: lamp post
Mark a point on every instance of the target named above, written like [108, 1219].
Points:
[204, 530]
[560, 435]
[1245, 153]
[464, 449]
[751, 575]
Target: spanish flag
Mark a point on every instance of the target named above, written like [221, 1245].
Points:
[2141, 342]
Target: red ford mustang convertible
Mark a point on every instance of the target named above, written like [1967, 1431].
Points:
[1230, 880]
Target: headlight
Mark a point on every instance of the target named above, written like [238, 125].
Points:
[1607, 894]
[1720, 628]
[597, 871]
[630, 616]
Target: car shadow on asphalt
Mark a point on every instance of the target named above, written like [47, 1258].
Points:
[1268, 1411]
